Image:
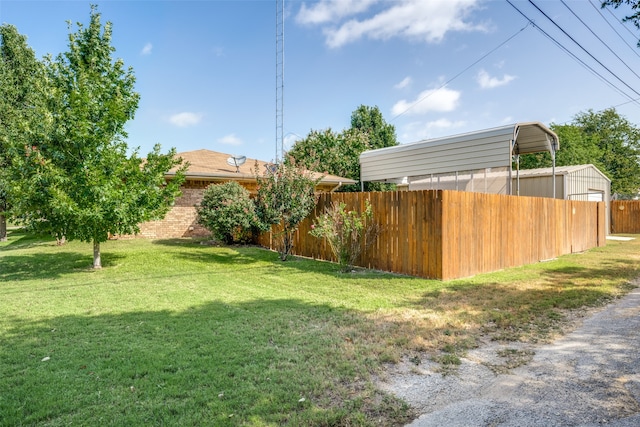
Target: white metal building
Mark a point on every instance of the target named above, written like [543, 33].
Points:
[480, 157]
[580, 182]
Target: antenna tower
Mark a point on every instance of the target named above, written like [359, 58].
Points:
[279, 80]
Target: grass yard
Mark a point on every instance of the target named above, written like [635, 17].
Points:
[178, 333]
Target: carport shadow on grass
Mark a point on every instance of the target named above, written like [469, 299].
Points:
[259, 362]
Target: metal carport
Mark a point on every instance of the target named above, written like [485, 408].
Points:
[469, 153]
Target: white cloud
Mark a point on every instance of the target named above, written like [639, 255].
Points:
[331, 10]
[404, 83]
[487, 82]
[412, 19]
[146, 50]
[440, 100]
[418, 131]
[230, 139]
[185, 119]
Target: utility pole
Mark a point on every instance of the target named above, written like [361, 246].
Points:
[279, 81]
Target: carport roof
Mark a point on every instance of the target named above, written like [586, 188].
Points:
[481, 149]
[534, 137]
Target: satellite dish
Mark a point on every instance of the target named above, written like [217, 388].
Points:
[236, 161]
[271, 167]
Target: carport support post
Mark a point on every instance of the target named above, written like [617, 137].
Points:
[517, 174]
[554, 176]
[553, 166]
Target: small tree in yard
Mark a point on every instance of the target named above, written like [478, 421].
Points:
[79, 182]
[285, 197]
[228, 212]
[348, 232]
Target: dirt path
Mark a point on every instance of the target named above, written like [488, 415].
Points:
[590, 377]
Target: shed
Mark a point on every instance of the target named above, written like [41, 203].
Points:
[579, 182]
[482, 157]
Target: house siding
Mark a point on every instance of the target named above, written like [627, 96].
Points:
[181, 220]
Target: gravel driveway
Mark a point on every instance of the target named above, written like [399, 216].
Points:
[589, 377]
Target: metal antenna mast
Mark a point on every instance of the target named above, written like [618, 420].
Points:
[279, 80]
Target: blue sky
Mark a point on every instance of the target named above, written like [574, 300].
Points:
[206, 69]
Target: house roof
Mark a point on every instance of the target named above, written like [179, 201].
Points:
[212, 165]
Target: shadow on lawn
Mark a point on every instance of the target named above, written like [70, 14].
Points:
[20, 239]
[249, 254]
[48, 266]
[197, 252]
[581, 282]
[262, 362]
[614, 268]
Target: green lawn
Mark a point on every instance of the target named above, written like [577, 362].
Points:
[178, 333]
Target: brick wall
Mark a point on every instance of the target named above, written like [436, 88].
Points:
[180, 221]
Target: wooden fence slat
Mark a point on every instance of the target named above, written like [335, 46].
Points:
[625, 216]
[449, 234]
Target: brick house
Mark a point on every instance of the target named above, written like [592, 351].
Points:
[208, 167]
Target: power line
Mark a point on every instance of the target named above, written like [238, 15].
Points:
[598, 37]
[583, 49]
[634, 50]
[460, 73]
[571, 54]
[621, 21]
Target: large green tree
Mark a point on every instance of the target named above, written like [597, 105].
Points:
[604, 139]
[332, 152]
[619, 144]
[338, 153]
[21, 78]
[576, 148]
[81, 183]
[370, 121]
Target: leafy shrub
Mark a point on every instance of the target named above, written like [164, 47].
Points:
[285, 197]
[228, 212]
[348, 232]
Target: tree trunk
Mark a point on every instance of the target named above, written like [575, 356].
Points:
[97, 263]
[3, 228]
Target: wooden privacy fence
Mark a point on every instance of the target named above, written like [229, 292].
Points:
[625, 216]
[449, 234]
